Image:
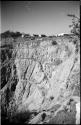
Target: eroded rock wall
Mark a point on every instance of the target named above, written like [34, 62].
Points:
[45, 74]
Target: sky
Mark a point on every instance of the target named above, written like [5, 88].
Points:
[38, 17]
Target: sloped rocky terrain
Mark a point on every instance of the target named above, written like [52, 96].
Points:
[43, 82]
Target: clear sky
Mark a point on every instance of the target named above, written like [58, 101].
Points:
[38, 17]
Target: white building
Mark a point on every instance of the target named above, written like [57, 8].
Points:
[23, 35]
[61, 34]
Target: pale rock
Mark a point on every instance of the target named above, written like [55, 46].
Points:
[78, 113]
[37, 73]
[34, 101]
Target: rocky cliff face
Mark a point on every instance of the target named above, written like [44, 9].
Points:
[47, 82]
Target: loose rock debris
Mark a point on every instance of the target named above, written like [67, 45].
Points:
[44, 85]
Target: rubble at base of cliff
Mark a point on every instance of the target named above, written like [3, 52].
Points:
[41, 83]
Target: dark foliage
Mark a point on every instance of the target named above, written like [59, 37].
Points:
[54, 43]
[42, 35]
[75, 25]
[10, 34]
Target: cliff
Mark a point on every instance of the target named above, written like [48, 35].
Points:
[43, 84]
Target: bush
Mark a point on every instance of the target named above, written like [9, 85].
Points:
[75, 25]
